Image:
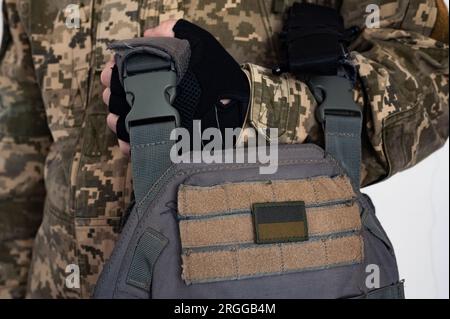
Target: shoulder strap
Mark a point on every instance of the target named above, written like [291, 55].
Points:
[150, 70]
[151, 120]
[341, 118]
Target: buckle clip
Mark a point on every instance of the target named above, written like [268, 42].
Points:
[150, 85]
[335, 97]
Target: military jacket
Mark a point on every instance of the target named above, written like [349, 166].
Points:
[64, 184]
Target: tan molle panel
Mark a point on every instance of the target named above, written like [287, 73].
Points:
[247, 262]
[218, 234]
[205, 201]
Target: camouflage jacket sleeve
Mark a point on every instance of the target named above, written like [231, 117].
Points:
[403, 88]
[24, 141]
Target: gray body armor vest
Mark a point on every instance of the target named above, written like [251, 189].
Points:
[224, 230]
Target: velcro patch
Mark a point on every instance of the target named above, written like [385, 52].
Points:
[237, 263]
[280, 222]
[309, 224]
[195, 201]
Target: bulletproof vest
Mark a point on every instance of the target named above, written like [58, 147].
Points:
[227, 231]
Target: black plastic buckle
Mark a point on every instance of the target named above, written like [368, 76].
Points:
[335, 97]
[150, 84]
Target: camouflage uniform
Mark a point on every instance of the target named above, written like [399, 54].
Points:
[52, 118]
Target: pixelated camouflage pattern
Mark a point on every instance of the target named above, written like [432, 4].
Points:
[87, 179]
[281, 102]
[406, 76]
[24, 143]
[403, 90]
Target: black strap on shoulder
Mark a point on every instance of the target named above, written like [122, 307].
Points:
[315, 41]
[312, 37]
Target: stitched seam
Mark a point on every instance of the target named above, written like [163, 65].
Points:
[140, 146]
[325, 247]
[312, 238]
[347, 135]
[283, 268]
[286, 238]
[324, 205]
[227, 168]
[226, 198]
[306, 180]
[255, 275]
[235, 252]
[208, 250]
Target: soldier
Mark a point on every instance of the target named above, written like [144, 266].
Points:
[54, 143]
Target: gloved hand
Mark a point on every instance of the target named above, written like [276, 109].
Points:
[214, 89]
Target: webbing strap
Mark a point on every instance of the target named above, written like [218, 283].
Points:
[150, 84]
[150, 150]
[150, 158]
[149, 75]
[342, 122]
[343, 141]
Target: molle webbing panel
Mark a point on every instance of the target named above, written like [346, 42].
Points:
[237, 262]
[238, 228]
[229, 198]
[218, 235]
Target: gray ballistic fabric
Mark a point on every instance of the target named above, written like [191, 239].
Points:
[157, 213]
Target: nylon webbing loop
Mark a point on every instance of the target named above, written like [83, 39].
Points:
[147, 252]
[341, 118]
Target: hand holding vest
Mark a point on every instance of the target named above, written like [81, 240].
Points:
[212, 76]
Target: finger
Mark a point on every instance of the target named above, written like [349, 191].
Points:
[121, 130]
[117, 102]
[106, 74]
[115, 84]
[106, 96]
[118, 105]
[111, 120]
[165, 29]
[125, 148]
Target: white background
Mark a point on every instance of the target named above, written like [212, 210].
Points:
[414, 209]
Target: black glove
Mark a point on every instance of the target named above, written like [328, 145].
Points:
[213, 75]
[118, 105]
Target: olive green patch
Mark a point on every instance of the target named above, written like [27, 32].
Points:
[280, 222]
